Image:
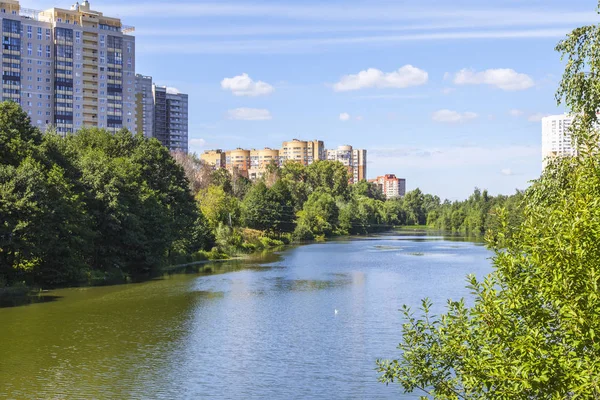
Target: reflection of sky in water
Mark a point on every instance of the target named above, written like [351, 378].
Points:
[264, 328]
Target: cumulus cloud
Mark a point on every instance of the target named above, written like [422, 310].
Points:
[537, 117]
[503, 78]
[172, 90]
[507, 172]
[243, 85]
[449, 116]
[447, 90]
[404, 77]
[249, 114]
[515, 113]
[344, 117]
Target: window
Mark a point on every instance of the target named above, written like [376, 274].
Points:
[39, 50]
[47, 34]
[48, 53]
[29, 49]
[39, 33]
[29, 35]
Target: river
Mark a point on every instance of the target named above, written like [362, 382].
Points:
[260, 328]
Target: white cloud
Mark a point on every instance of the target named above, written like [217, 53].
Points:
[197, 142]
[172, 90]
[537, 117]
[447, 90]
[250, 114]
[359, 118]
[503, 78]
[515, 113]
[344, 117]
[404, 77]
[243, 85]
[507, 172]
[449, 116]
[393, 157]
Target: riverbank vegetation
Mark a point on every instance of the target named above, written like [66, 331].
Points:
[533, 330]
[96, 207]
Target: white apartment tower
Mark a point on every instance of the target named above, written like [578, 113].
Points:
[354, 159]
[556, 137]
[68, 68]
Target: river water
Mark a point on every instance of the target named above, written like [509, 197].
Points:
[260, 328]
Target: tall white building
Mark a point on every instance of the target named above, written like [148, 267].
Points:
[556, 137]
[354, 159]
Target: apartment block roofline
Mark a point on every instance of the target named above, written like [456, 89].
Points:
[47, 15]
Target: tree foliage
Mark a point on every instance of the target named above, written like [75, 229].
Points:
[533, 330]
[88, 206]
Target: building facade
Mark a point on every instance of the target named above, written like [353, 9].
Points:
[144, 99]
[215, 158]
[390, 186]
[170, 118]
[69, 68]
[354, 159]
[304, 152]
[260, 160]
[254, 163]
[238, 160]
[556, 137]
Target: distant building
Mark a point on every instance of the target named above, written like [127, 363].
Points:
[260, 161]
[254, 163]
[354, 159]
[238, 160]
[304, 152]
[556, 137]
[171, 118]
[390, 186]
[144, 100]
[215, 158]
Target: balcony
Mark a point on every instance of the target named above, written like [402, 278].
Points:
[89, 70]
[90, 45]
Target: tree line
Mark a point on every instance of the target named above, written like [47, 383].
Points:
[95, 206]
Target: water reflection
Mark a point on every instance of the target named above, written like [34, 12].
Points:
[261, 328]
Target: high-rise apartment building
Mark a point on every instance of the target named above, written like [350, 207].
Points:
[144, 100]
[260, 160]
[390, 186]
[354, 159]
[556, 137]
[238, 160]
[170, 118]
[304, 152]
[68, 68]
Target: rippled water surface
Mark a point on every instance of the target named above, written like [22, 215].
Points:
[264, 328]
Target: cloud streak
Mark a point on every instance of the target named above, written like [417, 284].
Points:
[304, 46]
[249, 114]
[451, 156]
[452, 117]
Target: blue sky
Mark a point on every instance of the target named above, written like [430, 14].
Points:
[447, 94]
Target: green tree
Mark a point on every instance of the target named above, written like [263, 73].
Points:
[533, 330]
[318, 218]
[218, 207]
